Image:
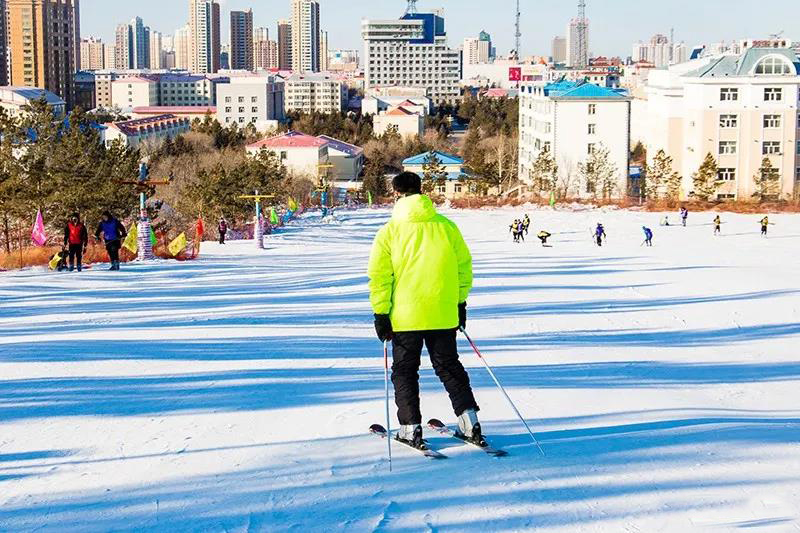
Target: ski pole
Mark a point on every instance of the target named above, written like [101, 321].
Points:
[511, 403]
[386, 388]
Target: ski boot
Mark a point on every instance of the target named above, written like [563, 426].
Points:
[470, 429]
[412, 436]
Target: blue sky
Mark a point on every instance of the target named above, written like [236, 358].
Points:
[615, 24]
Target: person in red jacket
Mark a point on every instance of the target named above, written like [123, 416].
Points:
[76, 239]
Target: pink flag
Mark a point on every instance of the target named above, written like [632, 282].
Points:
[38, 235]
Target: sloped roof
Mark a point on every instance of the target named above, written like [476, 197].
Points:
[584, 91]
[291, 139]
[341, 146]
[730, 66]
[400, 112]
[183, 109]
[32, 93]
[446, 159]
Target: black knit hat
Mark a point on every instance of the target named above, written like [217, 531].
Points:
[407, 183]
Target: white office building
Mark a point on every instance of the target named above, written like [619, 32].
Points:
[318, 92]
[411, 51]
[134, 91]
[573, 120]
[256, 100]
[187, 90]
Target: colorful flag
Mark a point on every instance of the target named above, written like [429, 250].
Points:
[131, 242]
[552, 198]
[369, 198]
[153, 239]
[177, 245]
[38, 235]
[273, 217]
[292, 205]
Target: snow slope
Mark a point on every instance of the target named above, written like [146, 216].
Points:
[233, 393]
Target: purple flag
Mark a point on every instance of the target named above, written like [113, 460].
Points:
[38, 235]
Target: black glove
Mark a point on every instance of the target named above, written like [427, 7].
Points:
[383, 327]
[462, 315]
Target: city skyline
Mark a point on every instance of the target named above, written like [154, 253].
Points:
[342, 20]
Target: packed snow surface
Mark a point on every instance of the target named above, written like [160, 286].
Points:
[234, 393]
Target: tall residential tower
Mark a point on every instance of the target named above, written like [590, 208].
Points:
[204, 36]
[242, 40]
[305, 36]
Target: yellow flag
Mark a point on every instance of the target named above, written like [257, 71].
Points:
[131, 241]
[292, 205]
[178, 245]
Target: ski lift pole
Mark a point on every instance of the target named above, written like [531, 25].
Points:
[142, 184]
[258, 231]
[499, 386]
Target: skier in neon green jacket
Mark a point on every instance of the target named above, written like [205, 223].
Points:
[420, 274]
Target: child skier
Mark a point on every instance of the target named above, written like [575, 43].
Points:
[648, 236]
[543, 236]
[717, 225]
[222, 227]
[59, 260]
[665, 222]
[600, 234]
[764, 225]
[526, 222]
[684, 215]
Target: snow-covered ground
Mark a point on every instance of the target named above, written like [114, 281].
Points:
[234, 393]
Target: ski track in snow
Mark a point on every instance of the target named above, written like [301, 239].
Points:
[234, 393]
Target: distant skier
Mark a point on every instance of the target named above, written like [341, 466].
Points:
[717, 225]
[764, 225]
[420, 274]
[684, 215]
[516, 230]
[526, 223]
[600, 234]
[648, 236]
[543, 236]
[76, 239]
[112, 232]
[222, 227]
[665, 222]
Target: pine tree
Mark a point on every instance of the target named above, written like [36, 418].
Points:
[544, 171]
[599, 173]
[660, 180]
[767, 181]
[434, 173]
[706, 179]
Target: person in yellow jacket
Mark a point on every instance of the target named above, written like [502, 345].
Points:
[420, 274]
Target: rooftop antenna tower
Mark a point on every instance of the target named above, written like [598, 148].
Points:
[412, 7]
[517, 34]
[583, 38]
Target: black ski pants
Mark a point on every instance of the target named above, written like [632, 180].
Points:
[75, 255]
[406, 353]
[112, 247]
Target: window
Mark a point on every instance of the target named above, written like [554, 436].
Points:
[726, 196]
[772, 66]
[284, 155]
[727, 147]
[241, 110]
[457, 187]
[228, 109]
[728, 94]
[797, 174]
[771, 148]
[227, 99]
[773, 94]
[592, 109]
[254, 99]
[728, 121]
[441, 189]
[590, 149]
[798, 148]
[592, 129]
[254, 110]
[772, 121]
[241, 99]
[726, 174]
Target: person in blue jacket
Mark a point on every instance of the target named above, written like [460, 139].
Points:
[112, 232]
[648, 236]
[600, 234]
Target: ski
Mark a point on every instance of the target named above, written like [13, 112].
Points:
[380, 431]
[438, 425]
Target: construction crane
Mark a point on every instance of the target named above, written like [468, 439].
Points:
[583, 40]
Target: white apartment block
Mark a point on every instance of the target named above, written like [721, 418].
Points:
[156, 50]
[411, 52]
[204, 36]
[256, 100]
[92, 54]
[314, 92]
[305, 36]
[572, 120]
[476, 51]
[740, 108]
[187, 90]
[134, 91]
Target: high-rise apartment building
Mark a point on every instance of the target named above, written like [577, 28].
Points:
[578, 43]
[122, 47]
[43, 43]
[139, 44]
[411, 52]
[265, 51]
[204, 36]
[241, 57]
[3, 45]
[284, 44]
[558, 50]
[92, 54]
[305, 36]
[156, 50]
[109, 56]
[476, 51]
[323, 51]
[181, 41]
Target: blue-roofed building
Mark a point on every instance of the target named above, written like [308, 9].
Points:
[13, 99]
[456, 184]
[574, 121]
[740, 108]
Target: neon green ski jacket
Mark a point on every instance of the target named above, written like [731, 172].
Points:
[420, 268]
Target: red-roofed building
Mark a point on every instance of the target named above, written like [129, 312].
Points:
[150, 131]
[406, 117]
